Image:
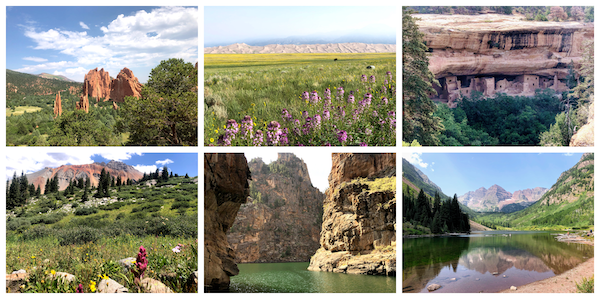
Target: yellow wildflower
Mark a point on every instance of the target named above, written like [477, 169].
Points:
[92, 286]
[212, 140]
[53, 272]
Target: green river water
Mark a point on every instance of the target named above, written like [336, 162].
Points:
[294, 278]
[486, 261]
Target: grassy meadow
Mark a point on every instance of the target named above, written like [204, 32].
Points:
[88, 236]
[261, 86]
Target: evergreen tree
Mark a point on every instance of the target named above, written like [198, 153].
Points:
[187, 176]
[47, 187]
[418, 122]
[119, 183]
[165, 174]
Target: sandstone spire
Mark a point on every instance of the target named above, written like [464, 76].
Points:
[83, 104]
[57, 106]
[126, 84]
[97, 84]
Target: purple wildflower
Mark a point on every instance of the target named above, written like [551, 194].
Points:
[326, 114]
[79, 289]
[305, 114]
[351, 98]
[389, 74]
[314, 97]
[372, 79]
[305, 96]
[363, 144]
[273, 133]
[375, 114]
[258, 138]
[384, 100]
[340, 92]
[327, 94]
[368, 131]
[363, 78]
[342, 136]
[285, 114]
[141, 263]
[247, 126]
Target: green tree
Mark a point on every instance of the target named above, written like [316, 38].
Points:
[167, 111]
[418, 122]
[77, 127]
[165, 174]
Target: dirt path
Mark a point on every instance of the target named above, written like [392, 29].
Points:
[563, 283]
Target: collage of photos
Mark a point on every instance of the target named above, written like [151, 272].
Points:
[497, 148]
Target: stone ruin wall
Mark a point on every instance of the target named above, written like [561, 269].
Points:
[453, 87]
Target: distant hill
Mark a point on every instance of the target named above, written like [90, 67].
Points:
[242, 48]
[55, 77]
[20, 85]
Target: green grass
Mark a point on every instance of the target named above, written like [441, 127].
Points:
[262, 85]
[379, 184]
[47, 235]
[586, 286]
[21, 109]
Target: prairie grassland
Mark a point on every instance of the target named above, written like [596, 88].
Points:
[261, 86]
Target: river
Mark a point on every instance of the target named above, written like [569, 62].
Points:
[294, 278]
[486, 261]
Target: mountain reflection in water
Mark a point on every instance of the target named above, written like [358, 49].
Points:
[486, 261]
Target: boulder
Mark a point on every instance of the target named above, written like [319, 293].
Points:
[96, 84]
[15, 280]
[127, 263]
[513, 288]
[126, 84]
[111, 286]
[432, 287]
[150, 285]
[62, 276]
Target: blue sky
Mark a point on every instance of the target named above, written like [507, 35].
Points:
[461, 173]
[225, 25]
[70, 41]
[31, 161]
[318, 163]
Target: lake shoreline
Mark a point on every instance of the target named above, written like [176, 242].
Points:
[562, 283]
[433, 235]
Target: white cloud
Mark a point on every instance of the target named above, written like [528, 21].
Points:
[142, 39]
[119, 156]
[568, 154]
[46, 66]
[164, 162]
[145, 168]
[28, 163]
[415, 158]
[36, 59]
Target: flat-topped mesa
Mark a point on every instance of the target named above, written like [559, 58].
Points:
[57, 106]
[96, 84]
[498, 53]
[126, 84]
[358, 234]
[226, 187]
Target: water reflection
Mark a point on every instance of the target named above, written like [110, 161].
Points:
[486, 262]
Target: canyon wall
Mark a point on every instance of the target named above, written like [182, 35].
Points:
[226, 188]
[358, 234]
[500, 53]
[281, 220]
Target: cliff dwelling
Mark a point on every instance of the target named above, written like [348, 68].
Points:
[493, 53]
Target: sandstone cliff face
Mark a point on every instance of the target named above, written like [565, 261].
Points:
[225, 189]
[281, 220]
[97, 84]
[358, 234]
[498, 53]
[66, 173]
[126, 84]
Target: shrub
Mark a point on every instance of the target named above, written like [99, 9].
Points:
[86, 211]
[37, 232]
[78, 235]
[17, 224]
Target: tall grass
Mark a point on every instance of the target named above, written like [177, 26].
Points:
[261, 86]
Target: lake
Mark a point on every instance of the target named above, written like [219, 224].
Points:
[294, 278]
[486, 261]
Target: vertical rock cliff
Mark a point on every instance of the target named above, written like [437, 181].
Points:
[358, 234]
[281, 220]
[225, 189]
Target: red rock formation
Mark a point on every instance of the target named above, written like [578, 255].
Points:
[97, 84]
[57, 106]
[115, 107]
[91, 172]
[126, 84]
[83, 104]
[73, 90]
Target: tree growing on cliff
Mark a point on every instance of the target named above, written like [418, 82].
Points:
[418, 122]
[167, 111]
